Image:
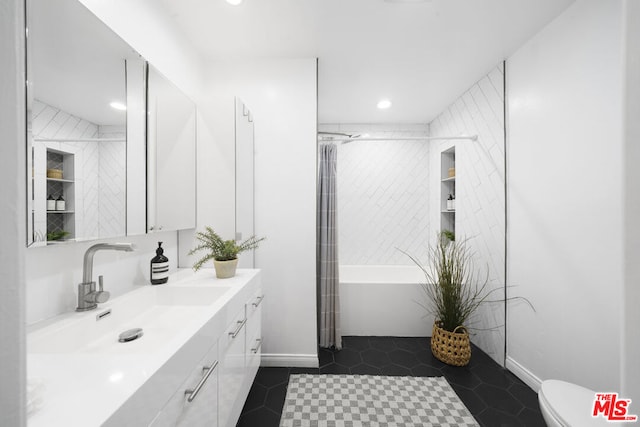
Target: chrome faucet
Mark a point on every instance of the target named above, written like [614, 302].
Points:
[88, 296]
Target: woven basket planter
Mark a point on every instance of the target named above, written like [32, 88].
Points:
[452, 348]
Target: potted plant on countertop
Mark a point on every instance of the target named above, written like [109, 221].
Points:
[223, 252]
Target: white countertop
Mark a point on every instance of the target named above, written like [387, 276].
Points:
[85, 388]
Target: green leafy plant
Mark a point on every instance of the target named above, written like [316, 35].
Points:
[57, 235]
[454, 289]
[449, 235]
[219, 249]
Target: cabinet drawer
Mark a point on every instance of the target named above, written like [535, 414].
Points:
[255, 303]
[254, 319]
[254, 333]
[232, 367]
[234, 332]
[195, 403]
[254, 351]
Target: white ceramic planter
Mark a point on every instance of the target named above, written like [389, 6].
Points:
[225, 269]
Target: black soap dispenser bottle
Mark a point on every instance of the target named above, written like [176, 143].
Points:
[159, 267]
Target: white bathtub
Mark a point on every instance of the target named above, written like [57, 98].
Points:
[383, 300]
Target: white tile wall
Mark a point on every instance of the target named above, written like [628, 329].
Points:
[101, 176]
[112, 178]
[480, 188]
[383, 189]
[90, 191]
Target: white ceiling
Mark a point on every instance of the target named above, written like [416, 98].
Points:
[421, 56]
[76, 62]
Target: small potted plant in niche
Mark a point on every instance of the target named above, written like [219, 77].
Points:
[448, 236]
[224, 253]
[57, 235]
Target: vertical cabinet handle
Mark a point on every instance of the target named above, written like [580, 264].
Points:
[258, 300]
[238, 328]
[193, 393]
[255, 349]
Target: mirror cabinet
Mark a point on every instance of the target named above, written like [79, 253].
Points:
[95, 168]
[245, 182]
[171, 156]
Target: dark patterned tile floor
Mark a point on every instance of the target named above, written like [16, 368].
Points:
[495, 396]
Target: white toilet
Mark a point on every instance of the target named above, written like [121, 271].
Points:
[567, 405]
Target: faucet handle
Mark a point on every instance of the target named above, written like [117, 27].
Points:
[100, 295]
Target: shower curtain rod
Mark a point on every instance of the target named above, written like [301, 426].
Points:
[80, 139]
[348, 135]
[406, 138]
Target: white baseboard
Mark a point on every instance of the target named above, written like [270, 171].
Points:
[523, 373]
[289, 360]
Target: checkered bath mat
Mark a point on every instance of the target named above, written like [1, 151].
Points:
[376, 401]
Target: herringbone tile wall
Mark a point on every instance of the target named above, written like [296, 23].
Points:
[480, 188]
[112, 178]
[383, 189]
[100, 173]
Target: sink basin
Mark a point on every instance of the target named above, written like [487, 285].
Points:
[163, 312]
[189, 295]
[89, 378]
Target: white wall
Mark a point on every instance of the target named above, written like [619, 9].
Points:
[565, 198]
[480, 195]
[631, 296]
[383, 194]
[153, 33]
[152, 36]
[282, 96]
[12, 211]
[53, 273]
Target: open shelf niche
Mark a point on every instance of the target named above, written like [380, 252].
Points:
[447, 188]
[61, 220]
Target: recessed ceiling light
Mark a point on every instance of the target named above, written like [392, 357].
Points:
[234, 2]
[383, 104]
[118, 106]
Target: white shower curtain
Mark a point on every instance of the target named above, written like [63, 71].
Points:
[327, 253]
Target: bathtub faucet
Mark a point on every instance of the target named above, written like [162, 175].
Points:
[88, 296]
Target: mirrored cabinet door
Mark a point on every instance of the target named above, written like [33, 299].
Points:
[171, 156]
[111, 143]
[79, 76]
[245, 182]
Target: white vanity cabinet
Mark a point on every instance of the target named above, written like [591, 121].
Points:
[198, 339]
[195, 403]
[239, 359]
[232, 369]
[254, 333]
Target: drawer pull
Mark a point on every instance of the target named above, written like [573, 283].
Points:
[257, 347]
[241, 323]
[193, 393]
[258, 300]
